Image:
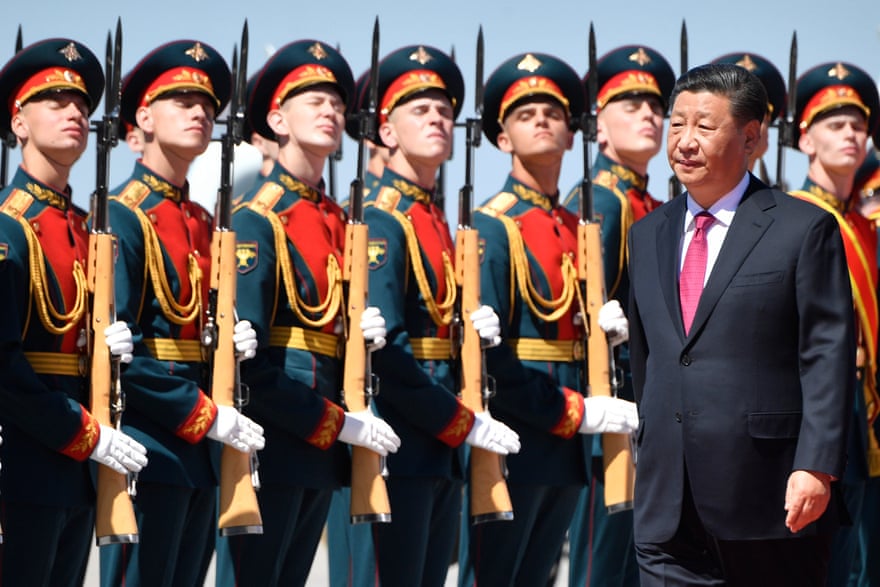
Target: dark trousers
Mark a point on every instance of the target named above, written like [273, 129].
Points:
[44, 546]
[177, 526]
[601, 549]
[693, 557]
[521, 551]
[416, 547]
[348, 558]
[293, 519]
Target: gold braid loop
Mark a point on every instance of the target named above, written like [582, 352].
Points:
[329, 308]
[441, 312]
[49, 314]
[519, 266]
[180, 314]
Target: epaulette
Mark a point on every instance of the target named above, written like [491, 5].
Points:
[17, 203]
[499, 205]
[387, 199]
[265, 199]
[133, 194]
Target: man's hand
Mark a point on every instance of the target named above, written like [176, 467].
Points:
[487, 324]
[613, 323]
[490, 434]
[237, 430]
[373, 327]
[368, 430]
[806, 498]
[119, 451]
[118, 337]
[245, 339]
[609, 414]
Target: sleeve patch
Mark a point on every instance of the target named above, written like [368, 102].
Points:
[572, 415]
[458, 428]
[199, 421]
[328, 428]
[377, 252]
[247, 256]
[86, 438]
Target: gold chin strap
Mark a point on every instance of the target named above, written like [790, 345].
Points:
[441, 312]
[49, 315]
[329, 308]
[180, 314]
[553, 309]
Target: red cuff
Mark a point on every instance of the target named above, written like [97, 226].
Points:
[458, 428]
[328, 427]
[86, 438]
[199, 421]
[572, 415]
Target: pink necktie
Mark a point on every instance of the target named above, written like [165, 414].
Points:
[693, 272]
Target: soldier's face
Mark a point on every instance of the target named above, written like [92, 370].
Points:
[708, 149]
[630, 129]
[180, 124]
[54, 124]
[837, 141]
[313, 120]
[420, 129]
[536, 128]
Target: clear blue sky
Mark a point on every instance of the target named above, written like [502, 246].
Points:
[846, 30]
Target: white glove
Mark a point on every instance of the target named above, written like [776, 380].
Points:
[613, 323]
[237, 430]
[490, 434]
[609, 414]
[373, 327]
[119, 451]
[118, 337]
[245, 338]
[486, 322]
[368, 430]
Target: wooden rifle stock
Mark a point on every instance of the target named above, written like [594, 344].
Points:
[369, 496]
[617, 450]
[239, 511]
[489, 498]
[114, 515]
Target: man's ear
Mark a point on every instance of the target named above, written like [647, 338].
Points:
[806, 145]
[19, 127]
[505, 145]
[388, 135]
[144, 118]
[752, 132]
[276, 121]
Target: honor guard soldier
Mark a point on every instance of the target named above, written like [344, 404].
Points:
[47, 500]
[420, 92]
[290, 244]
[775, 86]
[162, 269]
[344, 563]
[837, 109]
[528, 275]
[633, 86]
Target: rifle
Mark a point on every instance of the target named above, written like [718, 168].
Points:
[239, 512]
[786, 131]
[674, 184]
[369, 496]
[601, 374]
[115, 522]
[6, 144]
[490, 500]
[335, 158]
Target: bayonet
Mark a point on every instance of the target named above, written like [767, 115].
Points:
[786, 130]
[674, 184]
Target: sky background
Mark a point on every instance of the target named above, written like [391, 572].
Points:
[845, 30]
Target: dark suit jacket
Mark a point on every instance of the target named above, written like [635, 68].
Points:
[762, 385]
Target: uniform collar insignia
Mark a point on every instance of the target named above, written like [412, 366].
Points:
[70, 53]
[163, 187]
[630, 177]
[535, 197]
[301, 188]
[413, 191]
[827, 197]
[197, 52]
[47, 195]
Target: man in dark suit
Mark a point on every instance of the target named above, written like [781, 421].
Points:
[744, 387]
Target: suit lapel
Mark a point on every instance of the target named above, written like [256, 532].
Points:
[668, 244]
[749, 224]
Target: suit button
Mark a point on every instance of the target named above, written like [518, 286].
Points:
[686, 360]
[678, 417]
